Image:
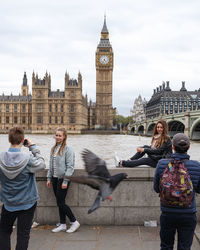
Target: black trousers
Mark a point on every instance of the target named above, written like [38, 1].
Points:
[24, 223]
[60, 195]
[184, 224]
[138, 160]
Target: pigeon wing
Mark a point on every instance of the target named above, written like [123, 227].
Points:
[96, 203]
[95, 165]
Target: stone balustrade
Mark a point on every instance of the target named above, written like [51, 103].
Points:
[134, 200]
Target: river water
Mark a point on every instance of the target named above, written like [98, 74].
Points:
[104, 146]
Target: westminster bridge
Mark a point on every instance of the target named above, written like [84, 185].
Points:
[186, 122]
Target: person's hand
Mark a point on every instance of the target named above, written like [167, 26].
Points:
[64, 186]
[140, 150]
[48, 184]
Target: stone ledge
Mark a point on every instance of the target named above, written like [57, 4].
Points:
[134, 200]
[138, 173]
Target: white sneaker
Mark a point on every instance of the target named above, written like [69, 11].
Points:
[117, 160]
[74, 226]
[60, 228]
[58, 224]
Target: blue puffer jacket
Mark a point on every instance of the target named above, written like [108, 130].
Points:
[193, 168]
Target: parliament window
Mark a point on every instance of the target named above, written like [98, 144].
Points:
[72, 108]
[7, 108]
[72, 119]
[39, 94]
[72, 94]
[15, 119]
[39, 119]
[62, 121]
[50, 108]
[56, 119]
[39, 108]
[56, 108]
[50, 119]
[23, 119]
[7, 119]
[15, 108]
[62, 108]
[23, 108]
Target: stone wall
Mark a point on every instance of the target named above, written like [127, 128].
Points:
[134, 200]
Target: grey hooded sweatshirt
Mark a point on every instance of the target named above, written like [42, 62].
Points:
[18, 184]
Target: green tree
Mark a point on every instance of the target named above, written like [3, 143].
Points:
[122, 121]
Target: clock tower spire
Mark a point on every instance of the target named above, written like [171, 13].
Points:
[104, 70]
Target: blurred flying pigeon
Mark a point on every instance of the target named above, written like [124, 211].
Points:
[98, 178]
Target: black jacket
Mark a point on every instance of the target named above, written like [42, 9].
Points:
[164, 151]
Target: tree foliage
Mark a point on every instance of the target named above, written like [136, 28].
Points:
[123, 121]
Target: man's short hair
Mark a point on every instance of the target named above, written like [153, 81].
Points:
[181, 143]
[16, 135]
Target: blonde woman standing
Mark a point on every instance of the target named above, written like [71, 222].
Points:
[62, 159]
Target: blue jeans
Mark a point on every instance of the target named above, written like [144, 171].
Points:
[24, 223]
[184, 224]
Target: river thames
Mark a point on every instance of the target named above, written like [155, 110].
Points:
[104, 146]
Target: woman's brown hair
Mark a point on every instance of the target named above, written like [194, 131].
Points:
[63, 130]
[164, 137]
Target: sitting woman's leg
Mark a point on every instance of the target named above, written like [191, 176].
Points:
[142, 161]
[137, 156]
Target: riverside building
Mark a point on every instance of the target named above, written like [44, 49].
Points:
[138, 111]
[165, 101]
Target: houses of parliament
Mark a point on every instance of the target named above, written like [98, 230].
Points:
[44, 110]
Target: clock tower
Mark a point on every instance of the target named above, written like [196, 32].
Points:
[104, 70]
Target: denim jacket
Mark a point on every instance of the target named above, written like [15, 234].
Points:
[64, 163]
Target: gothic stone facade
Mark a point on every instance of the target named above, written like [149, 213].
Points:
[104, 70]
[138, 111]
[45, 110]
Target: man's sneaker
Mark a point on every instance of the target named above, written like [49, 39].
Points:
[60, 228]
[117, 161]
[74, 226]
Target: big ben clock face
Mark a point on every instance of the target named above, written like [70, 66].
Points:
[104, 59]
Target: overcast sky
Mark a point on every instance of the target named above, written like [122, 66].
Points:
[152, 40]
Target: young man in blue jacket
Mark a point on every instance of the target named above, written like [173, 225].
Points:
[19, 193]
[172, 219]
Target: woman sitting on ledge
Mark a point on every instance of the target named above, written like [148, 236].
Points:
[161, 147]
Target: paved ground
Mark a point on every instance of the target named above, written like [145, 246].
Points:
[99, 238]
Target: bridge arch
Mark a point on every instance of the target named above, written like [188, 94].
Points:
[175, 127]
[150, 129]
[133, 130]
[195, 130]
[141, 130]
